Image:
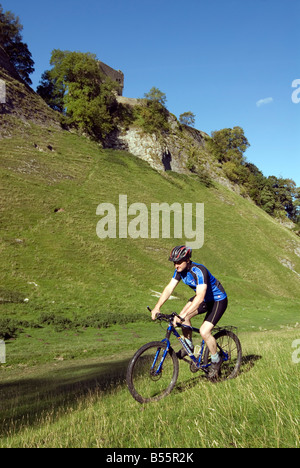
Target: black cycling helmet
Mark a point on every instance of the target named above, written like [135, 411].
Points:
[179, 253]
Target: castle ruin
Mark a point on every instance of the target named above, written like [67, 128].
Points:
[115, 75]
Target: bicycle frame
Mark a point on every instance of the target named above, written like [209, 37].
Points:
[197, 361]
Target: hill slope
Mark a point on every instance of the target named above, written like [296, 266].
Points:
[22, 105]
[51, 185]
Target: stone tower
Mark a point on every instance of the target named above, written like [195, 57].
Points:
[115, 75]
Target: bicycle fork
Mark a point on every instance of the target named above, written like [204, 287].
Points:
[159, 368]
[165, 340]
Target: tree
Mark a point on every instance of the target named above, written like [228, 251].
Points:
[229, 144]
[237, 173]
[187, 118]
[156, 95]
[286, 193]
[16, 49]
[76, 87]
[51, 91]
[151, 114]
[297, 205]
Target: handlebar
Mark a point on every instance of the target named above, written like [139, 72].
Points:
[167, 317]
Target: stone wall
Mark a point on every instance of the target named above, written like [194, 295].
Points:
[127, 101]
[115, 75]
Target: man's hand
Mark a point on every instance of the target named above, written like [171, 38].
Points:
[176, 321]
[154, 313]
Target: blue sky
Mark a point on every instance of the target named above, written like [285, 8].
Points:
[232, 63]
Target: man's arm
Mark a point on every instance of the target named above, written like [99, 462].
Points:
[198, 299]
[164, 297]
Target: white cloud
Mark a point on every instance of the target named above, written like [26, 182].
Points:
[264, 101]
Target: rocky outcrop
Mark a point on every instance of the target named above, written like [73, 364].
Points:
[147, 147]
[167, 151]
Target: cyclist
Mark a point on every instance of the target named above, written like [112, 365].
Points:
[210, 298]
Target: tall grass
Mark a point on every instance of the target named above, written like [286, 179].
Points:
[260, 408]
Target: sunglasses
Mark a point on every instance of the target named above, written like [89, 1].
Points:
[179, 262]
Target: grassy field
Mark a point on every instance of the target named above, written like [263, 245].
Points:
[85, 403]
[75, 305]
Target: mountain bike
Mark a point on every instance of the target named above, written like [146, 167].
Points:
[153, 371]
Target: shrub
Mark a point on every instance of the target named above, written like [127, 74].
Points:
[152, 117]
[8, 328]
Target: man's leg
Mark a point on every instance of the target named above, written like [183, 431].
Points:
[216, 360]
[214, 314]
[216, 310]
[205, 331]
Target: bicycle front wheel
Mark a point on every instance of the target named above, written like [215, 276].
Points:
[229, 345]
[152, 373]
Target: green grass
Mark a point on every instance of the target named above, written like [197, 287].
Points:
[86, 404]
[56, 260]
[66, 388]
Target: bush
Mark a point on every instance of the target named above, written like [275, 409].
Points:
[60, 323]
[47, 318]
[103, 319]
[8, 328]
[152, 117]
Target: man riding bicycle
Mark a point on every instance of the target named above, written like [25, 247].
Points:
[210, 298]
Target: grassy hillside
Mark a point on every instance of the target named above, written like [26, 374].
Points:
[22, 104]
[51, 185]
[63, 380]
[73, 306]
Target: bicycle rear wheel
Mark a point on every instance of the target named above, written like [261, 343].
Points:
[230, 346]
[148, 377]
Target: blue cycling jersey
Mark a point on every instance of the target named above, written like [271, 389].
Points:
[197, 274]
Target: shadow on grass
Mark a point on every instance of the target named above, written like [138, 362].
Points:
[247, 364]
[27, 400]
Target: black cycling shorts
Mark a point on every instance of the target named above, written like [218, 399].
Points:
[213, 309]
